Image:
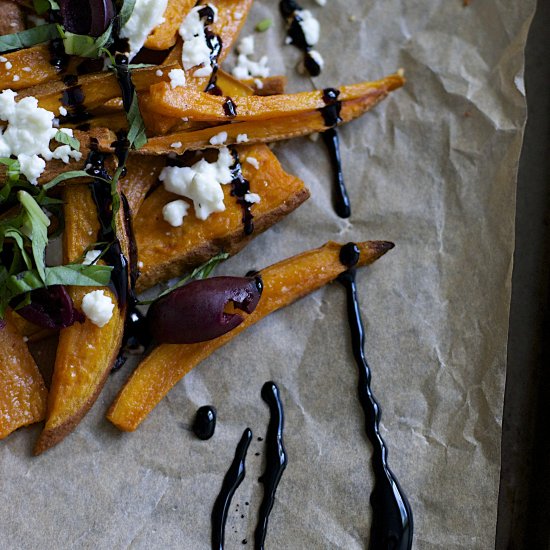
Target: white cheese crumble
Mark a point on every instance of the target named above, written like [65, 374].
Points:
[62, 111]
[146, 15]
[8, 65]
[242, 138]
[310, 26]
[321, 2]
[246, 67]
[317, 57]
[98, 307]
[176, 144]
[202, 182]
[158, 72]
[27, 135]
[252, 198]
[195, 51]
[218, 139]
[174, 212]
[177, 78]
[3, 59]
[16, 77]
[91, 257]
[253, 162]
[26, 69]
[140, 264]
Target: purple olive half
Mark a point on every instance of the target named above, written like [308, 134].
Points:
[90, 17]
[196, 312]
[51, 307]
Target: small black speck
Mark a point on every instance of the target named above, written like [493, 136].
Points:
[242, 516]
[260, 438]
[256, 454]
[246, 503]
[244, 541]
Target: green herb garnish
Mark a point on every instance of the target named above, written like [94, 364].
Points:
[263, 25]
[28, 38]
[66, 139]
[42, 6]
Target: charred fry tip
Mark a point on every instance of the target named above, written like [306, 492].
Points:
[379, 248]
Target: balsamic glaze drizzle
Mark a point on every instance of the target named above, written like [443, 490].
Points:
[276, 460]
[392, 520]
[331, 117]
[229, 108]
[233, 478]
[72, 99]
[239, 188]
[288, 9]
[205, 422]
[58, 58]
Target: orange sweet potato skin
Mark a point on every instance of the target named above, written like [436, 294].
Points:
[284, 283]
[85, 353]
[164, 36]
[141, 174]
[167, 251]
[22, 391]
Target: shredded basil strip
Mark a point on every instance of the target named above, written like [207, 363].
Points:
[126, 11]
[83, 45]
[66, 139]
[136, 133]
[28, 38]
[201, 272]
[42, 6]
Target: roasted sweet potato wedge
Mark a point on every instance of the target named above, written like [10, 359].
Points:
[85, 353]
[270, 85]
[13, 17]
[164, 36]
[22, 391]
[257, 132]
[141, 174]
[284, 283]
[167, 251]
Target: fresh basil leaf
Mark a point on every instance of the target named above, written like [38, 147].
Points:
[201, 272]
[29, 37]
[13, 168]
[263, 25]
[66, 139]
[79, 275]
[126, 11]
[36, 223]
[18, 238]
[42, 6]
[86, 46]
[136, 133]
[65, 176]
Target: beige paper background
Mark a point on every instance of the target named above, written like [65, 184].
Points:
[433, 168]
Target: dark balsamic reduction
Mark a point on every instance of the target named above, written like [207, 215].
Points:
[229, 108]
[288, 9]
[233, 478]
[72, 99]
[392, 520]
[205, 422]
[239, 188]
[331, 117]
[215, 45]
[276, 460]
[58, 58]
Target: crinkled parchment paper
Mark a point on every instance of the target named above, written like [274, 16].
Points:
[433, 168]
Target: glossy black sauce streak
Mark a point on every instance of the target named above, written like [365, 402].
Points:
[233, 478]
[58, 58]
[72, 98]
[288, 9]
[205, 422]
[239, 188]
[392, 520]
[215, 45]
[276, 460]
[331, 117]
[229, 108]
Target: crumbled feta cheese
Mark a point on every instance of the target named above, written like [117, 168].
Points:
[140, 264]
[146, 15]
[174, 212]
[321, 2]
[8, 65]
[314, 137]
[98, 307]
[219, 139]
[201, 182]
[242, 138]
[238, 15]
[317, 57]
[177, 78]
[3, 59]
[310, 26]
[258, 83]
[28, 133]
[252, 198]
[26, 69]
[176, 144]
[16, 77]
[91, 257]
[246, 67]
[195, 49]
[253, 162]
[158, 72]
[62, 111]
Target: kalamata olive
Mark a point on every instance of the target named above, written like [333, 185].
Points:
[196, 311]
[52, 308]
[90, 17]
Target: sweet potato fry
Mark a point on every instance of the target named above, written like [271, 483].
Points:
[22, 392]
[29, 331]
[13, 18]
[284, 283]
[85, 353]
[270, 85]
[164, 36]
[90, 91]
[167, 251]
[141, 174]
[257, 132]
[195, 105]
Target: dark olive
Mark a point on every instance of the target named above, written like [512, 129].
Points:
[196, 311]
[51, 307]
[90, 17]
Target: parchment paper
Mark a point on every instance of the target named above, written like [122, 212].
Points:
[433, 168]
